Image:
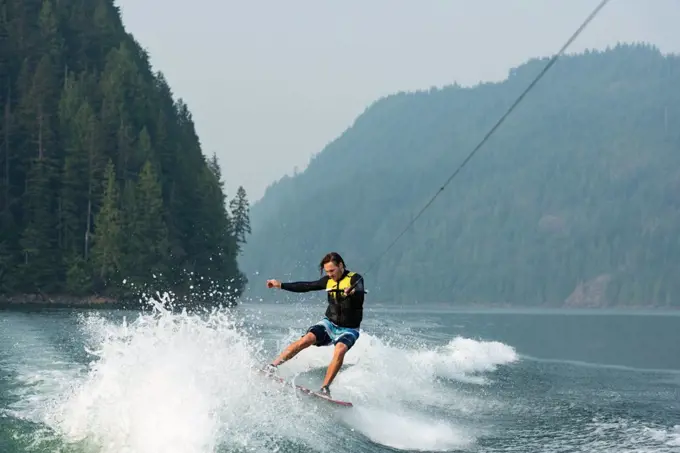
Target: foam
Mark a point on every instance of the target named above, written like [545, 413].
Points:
[410, 431]
[404, 396]
[172, 383]
[184, 383]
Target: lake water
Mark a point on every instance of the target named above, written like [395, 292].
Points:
[420, 378]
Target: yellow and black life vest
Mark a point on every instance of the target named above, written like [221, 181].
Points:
[334, 287]
[344, 311]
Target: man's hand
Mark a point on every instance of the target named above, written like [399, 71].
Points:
[273, 284]
[349, 291]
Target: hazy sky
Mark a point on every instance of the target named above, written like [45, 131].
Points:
[269, 84]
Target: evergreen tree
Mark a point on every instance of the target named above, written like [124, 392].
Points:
[147, 232]
[240, 213]
[108, 239]
[40, 269]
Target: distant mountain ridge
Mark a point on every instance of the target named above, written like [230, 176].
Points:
[574, 201]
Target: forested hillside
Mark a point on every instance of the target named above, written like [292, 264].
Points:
[575, 200]
[104, 188]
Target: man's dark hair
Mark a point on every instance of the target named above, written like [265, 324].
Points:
[334, 257]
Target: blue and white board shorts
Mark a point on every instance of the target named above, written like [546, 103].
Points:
[327, 332]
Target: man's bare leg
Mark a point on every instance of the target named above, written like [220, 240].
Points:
[295, 347]
[336, 363]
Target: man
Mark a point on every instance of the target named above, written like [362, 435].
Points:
[342, 321]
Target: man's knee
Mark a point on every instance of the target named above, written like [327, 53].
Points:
[307, 340]
[340, 350]
[347, 341]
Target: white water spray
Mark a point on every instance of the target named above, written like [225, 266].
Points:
[184, 383]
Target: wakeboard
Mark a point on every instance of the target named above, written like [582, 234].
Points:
[305, 390]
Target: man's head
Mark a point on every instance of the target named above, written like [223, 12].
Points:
[333, 265]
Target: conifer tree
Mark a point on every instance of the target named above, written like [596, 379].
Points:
[240, 213]
[108, 238]
[147, 232]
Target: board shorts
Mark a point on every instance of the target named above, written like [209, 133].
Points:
[327, 333]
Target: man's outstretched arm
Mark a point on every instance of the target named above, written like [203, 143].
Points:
[299, 287]
[303, 287]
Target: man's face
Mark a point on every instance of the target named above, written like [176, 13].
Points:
[333, 271]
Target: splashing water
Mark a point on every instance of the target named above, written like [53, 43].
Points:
[169, 383]
[175, 383]
[401, 397]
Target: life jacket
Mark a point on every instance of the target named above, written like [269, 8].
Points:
[344, 311]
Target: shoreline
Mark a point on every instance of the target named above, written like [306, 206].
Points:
[91, 302]
[60, 301]
[42, 301]
[488, 307]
